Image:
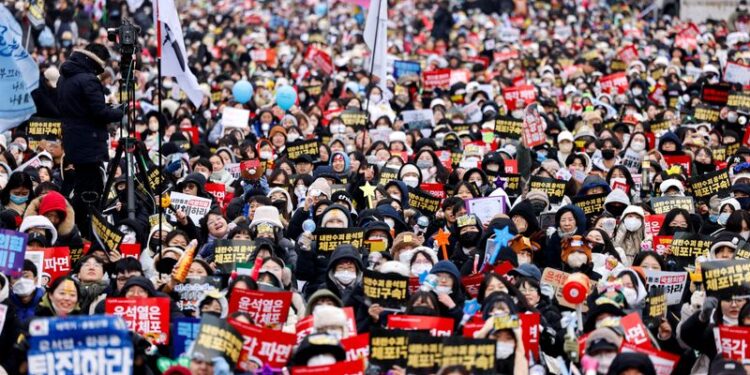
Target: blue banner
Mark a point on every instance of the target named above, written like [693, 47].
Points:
[185, 331]
[19, 74]
[94, 345]
[403, 68]
[12, 250]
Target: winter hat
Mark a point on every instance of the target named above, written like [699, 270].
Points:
[39, 221]
[632, 209]
[447, 266]
[266, 214]
[602, 339]
[276, 130]
[318, 295]
[726, 367]
[520, 243]
[575, 243]
[215, 294]
[289, 206]
[617, 196]
[408, 168]
[427, 251]
[52, 74]
[671, 183]
[53, 201]
[335, 211]
[405, 239]
[564, 136]
[316, 344]
[723, 239]
[393, 266]
[730, 201]
[321, 184]
[538, 195]
[527, 270]
[327, 316]
[397, 136]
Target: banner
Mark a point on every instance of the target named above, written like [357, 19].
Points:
[592, 205]
[388, 348]
[418, 119]
[636, 332]
[627, 54]
[195, 207]
[194, 290]
[662, 205]
[672, 283]
[423, 354]
[436, 79]
[78, 345]
[354, 117]
[706, 185]
[184, 333]
[40, 129]
[554, 188]
[309, 147]
[227, 253]
[330, 238]
[12, 249]
[652, 224]
[687, 246]
[437, 326]
[149, 317]
[271, 347]
[731, 342]
[518, 97]
[508, 127]
[616, 83]
[56, 262]
[319, 59]
[20, 74]
[726, 278]
[403, 68]
[664, 362]
[425, 203]
[486, 208]
[356, 367]
[737, 73]
[218, 338]
[477, 355]
[268, 309]
[388, 290]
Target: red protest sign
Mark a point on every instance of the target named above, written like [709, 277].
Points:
[271, 347]
[319, 59]
[413, 285]
[149, 317]
[511, 166]
[682, 160]
[436, 325]
[661, 244]
[356, 367]
[439, 78]
[435, 189]
[471, 327]
[471, 283]
[530, 333]
[305, 326]
[636, 332]
[616, 83]
[130, 250]
[268, 309]
[56, 262]
[731, 342]
[505, 56]
[219, 191]
[357, 347]
[533, 127]
[627, 54]
[664, 362]
[514, 95]
[652, 224]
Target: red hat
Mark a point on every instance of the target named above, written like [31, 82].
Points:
[53, 201]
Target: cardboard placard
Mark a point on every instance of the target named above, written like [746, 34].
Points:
[195, 207]
[672, 283]
[387, 175]
[234, 117]
[731, 342]
[726, 278]
[661, 244]
[477, 355]
[683, 161]
[40, 129]
[357, 347]
[517, 97]
[149, 317]
[436, 326]
[328, 239]
[616, 83]
[739, 100]
[56, 262]
[592, 205]
[687, 246]
[388, 348]
[320, 60]
[486, 208]
[268, 309]
[434, 79]
[554, 188]
[531, 333]
[423, 354]
[217, 338]
[107, 235]
[662, 205]
[402, 68]
[636, 332]
[387, 290]
[706, 113]
[717, 94]
[184, 333]
[511, 183]
[737, 73]
[193, 290]
[227, 253]
[706, 185]
[353, 117]
[273, 348]
[656, 306]
[425, 203]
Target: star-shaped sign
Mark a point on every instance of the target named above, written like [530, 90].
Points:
[369, 192]
[502, 236]
[441, 238]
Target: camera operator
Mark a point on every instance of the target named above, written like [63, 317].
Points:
[85, 116]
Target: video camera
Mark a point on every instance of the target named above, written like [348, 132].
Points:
[127, 33]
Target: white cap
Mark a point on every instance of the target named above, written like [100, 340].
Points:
[564, 136]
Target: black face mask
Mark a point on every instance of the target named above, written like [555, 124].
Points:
[423, 310]
[280, 204]
[469, 239]
[704, 168]
[154, 245]
[538, 207]
[598, 248]
[608, 154]
[166, 265]
[616, 209]
[671, 231]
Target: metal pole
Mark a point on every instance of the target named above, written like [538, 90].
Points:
[372, 56]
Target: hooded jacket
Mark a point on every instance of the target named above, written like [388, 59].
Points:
[550, 254]
[67, 231]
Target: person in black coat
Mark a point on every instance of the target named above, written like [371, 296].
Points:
[45, 96]
[85, 116]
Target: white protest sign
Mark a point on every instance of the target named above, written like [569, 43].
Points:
[195, 207]
[418, 118]
[672, 282]
[509, 34]
[233, 169]
[234, 117]
[737, 73]
[36, 257]
[472, 112]
[486, 208]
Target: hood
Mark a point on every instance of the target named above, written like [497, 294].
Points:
[342, 252]
[526, 211]
[670, 136]
[635, 361]
[329, 212]
[289, 207]
[640, 289]
[81, 62]
[404, 191]
[577, 213]
[321, 293]
[196, 178]
[617, 196]
[592, 182]
[38, 221]
[141, 282]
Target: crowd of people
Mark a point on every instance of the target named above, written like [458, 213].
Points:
[566, 184]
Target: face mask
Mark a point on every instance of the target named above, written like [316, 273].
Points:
[375, 98]
[632, 224]
[338, 129]
[291, 137]
[469, 239]
[577, 259]
[321, 360]
[443, 290]
[154, 245]
[265, 126]
[300, 191]
[523, 259]
[636, 91]
[732, 117]
[745, 234]
[396, 197]
[420, 268]
[424, 164]
[630, 296]
[23, 287]
[266, 155]
[423, 310]
[723, 217]
[608, 154]
[280, 205]
[637, 146]
[504, 350]
[153, 126]
[566, 234]
[411, 181]
[566, 147]
[166, 265]
[744, 203]
[538, 207]
[616, 209]
[345, 277]
[3, 180]
[703, 168]
[713, 80]
[16, 199]
[604, 360]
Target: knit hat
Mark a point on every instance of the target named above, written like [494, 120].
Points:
[397, 136]
[575, 243]
[334, 211]
[538, 195]
[318, 295]
[266, 214]
[408, 168]
[520, 243]
[730, 201]
[633, 209]
[405, 239]
[276, 130]
[446, 266]
[52, 74]
[724, 239]
[326, 316]
[321, 184]
[427, 251]
[393, 266]
[53, 201]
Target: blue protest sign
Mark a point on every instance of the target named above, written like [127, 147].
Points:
[12, 250]
[403, 68]
[184, 332]
[96, 344]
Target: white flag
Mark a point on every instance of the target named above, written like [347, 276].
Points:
[174, 59]
[376, 30]
[19, 74]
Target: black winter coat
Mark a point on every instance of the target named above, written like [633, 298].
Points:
[84, 115]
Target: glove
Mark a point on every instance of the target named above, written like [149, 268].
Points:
[697, 299]
[708, 306]
[173, 167]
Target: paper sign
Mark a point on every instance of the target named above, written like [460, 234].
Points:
[273, 348]
[149, 317]
[425, 203]
[227, 253]
[652, 224]
[726, 278]
[132, 250]
[218, 338]
[234, 117]
[357, 347]
[437, 326]
[477, 355]
[403, 68]
[40, 128]
[636, 332]
[508, 127]
[554, 188]
[328, 239]
[193, 290]
[662, 205]
[12, 249]
[737, 73]
[388, 290]
[309, 147]
[616, 83]
[268, 309]
[664, 362]
[388, 348]
[486, 208]
[706, 185]
[56, 262]
[37, 257]
[418, 118]
[517, 97]
[731, 342]
[439, 78]
[530, 332]
[184, 333]
[687, 246]
[592, 205]
[195, 207]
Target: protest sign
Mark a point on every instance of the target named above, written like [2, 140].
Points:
[354, 117]
[508, 127]
[387, 174]
[402, 68]
[356, 347]
[271, 347]
[664, 362]
[511, 184]
[686, 246]
[434, 189]
[227, 253]
[300, 148]
[356, 367]
[268, 309]
[672, 283]
[486, 208]
[195, 207]
[423, 354]
[234, 117]
[184, 333]
[706, 113]
[706, 185]
[739, 100]
[425, 203]
[37, 257]
[77, 344]
[636, 332]
[330, 238]
[193, 290]
[219, 192]
[437, 326]
[628, 53]
[656, 306]
[106, 234]
[717, 94]
[517, 97]
[388, 348]
[388, 290]
[554, 188]
[56, 262]
[12, 249]
[471, 283]
[477, 355]
[661, 244]
[218, 338]
[434, 79]
[731, 342]
[40, 129]
[660, 126]
[616, 83]
[556, 279]
[319, 59]
[592, 205]
[132, 250]
[737, 73]
[683, 161]
[662, 205]
[726, 278]
[652, 224]
[418, 118]
[530, 333]
[533, 127]
[149, 317]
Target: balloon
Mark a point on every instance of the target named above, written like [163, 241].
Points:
[242, 91]
[321, 9]
[285, 97]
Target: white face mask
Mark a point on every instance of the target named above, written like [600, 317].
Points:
[291, 137]
[722, 220]
[420, 268]
[265, 126]
[338, 129]
[345, 277]
[411, 181]
[153, 126]
[23, 287]
[632, 224]
[504, 350]
[577, 259]
[637, 146]
[630, 296]
[443, 290]
[636, 91]
[523, 259]
[266, 155]
[604, 360]
[375, 98]
[300, 191]
[395, 197]
[3, 180]
[321, 360]
[745, 234]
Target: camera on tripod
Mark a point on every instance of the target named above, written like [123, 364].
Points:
[125, 36]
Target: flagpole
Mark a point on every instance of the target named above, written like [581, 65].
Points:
[372, 54]
[159, 132]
